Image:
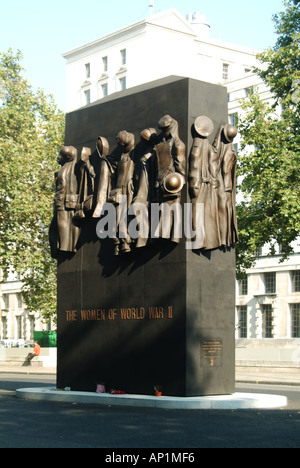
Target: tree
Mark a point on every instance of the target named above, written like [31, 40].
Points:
[31, 133]
[270, 183]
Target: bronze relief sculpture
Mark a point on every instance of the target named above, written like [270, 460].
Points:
[86, 186]
[63, 232]
[122, 194]
[161, 180]
[105, 174]
[212, 183]
[170, 178]
[151, 175]
[227, 194]
[145, 181]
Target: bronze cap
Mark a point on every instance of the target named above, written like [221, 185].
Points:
[230, 132]
[204, 126]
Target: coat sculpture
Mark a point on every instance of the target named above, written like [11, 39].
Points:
[212, 182]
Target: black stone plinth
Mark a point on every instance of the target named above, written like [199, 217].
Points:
[161, 315]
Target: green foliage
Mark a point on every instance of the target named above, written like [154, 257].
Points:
[283, 61]
[270, 173]
[31, 133]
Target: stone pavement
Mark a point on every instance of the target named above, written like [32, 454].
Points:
[258, 375]
[263, 375]
[18, 369]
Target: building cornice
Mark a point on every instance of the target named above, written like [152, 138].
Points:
[152, 21]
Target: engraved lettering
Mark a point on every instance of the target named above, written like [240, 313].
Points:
[112, 314]
[132, 313]
[92, 315]
[156, 313]
[212, 353]
[71, 315]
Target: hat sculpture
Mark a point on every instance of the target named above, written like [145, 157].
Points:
[173, 183]
[230, 132]
[204, 126]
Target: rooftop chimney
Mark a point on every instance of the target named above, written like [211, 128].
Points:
[151, 7]
[199, 24]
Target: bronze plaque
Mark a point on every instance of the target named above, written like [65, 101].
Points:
[211, 353]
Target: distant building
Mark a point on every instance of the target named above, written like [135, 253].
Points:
[17, 324]
[268, 298]
[160, 45]
[239, 88]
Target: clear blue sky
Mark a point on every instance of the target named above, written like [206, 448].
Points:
[43, 30]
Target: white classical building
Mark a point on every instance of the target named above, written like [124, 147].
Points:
[268, 313]
[160, 45]
[268, 298]
[239, 88]
[17, 324]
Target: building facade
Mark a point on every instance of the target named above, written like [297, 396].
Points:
[161, 45]
[268, 298]
[17, 323]
[240, 88]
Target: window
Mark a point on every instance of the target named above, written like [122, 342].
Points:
[243, 321]
[270, 283]
[243, 287]
[267, 311]
[104, 90]
[87, 70]
[19, 301]
[123, 57]
[225, 74]
[295, 277]
[3, 328]
[20, 330]
[259, 252]
[295, 320]
[87, 96]
[105, 63]
[31, 327]
[249, 91]
[5, 300]
[233, 119]
[123, 83]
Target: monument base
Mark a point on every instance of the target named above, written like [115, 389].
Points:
[232, 402]
[162, 317]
